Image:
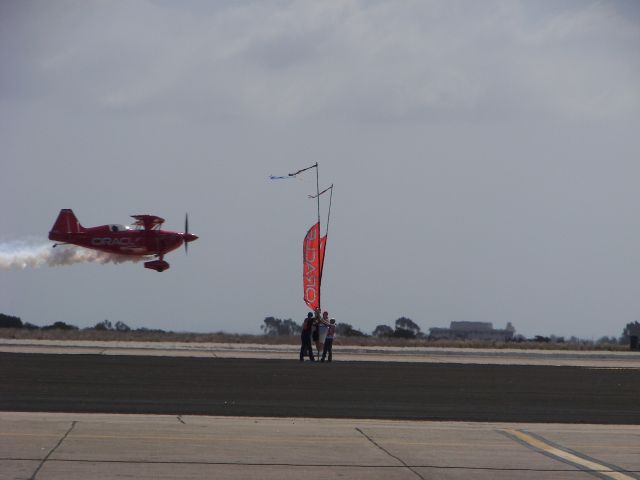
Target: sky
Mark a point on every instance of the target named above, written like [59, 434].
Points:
[485, 157]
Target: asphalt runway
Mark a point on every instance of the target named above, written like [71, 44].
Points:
[288, 388]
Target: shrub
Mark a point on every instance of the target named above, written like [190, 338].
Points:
[60, 326]
[8, 321]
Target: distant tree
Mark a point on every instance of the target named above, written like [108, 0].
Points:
[629, 329]
[30, 326]
[402, 333]
[291, 328]
[606, 340]
[150, 330]
[541, 339]
[60, 326]
[346, 330]
[122, 327]
[406, 328]
[276, 326]
[271, 326]
[383, 331]
[104, 325]
[8, 321]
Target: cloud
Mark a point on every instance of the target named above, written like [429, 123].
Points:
[365, 61]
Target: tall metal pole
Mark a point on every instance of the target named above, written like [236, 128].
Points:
[319, 262]
[326, 232]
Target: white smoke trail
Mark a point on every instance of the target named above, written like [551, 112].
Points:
[23, 254]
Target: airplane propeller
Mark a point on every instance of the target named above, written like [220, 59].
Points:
[186, 232]
[186, 236]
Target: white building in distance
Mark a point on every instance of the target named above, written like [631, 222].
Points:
[473, 331]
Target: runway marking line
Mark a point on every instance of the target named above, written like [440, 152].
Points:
[581, 462]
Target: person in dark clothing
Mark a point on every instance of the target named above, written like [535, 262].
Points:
[316, 330]
[305, 338]
[328, 342]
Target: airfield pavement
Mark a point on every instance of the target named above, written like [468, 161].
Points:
[606, 359]
[102, 415]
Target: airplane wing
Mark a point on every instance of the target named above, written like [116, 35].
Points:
[148, 222]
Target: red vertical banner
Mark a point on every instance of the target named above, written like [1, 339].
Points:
[312, 261]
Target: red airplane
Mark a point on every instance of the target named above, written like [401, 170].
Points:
[144, 237]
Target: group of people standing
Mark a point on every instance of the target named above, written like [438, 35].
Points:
[322, 330]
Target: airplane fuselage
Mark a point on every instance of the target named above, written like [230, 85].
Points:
[145, 240]
[128, 242]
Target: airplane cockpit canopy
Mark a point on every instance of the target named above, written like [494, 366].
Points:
[118, 228]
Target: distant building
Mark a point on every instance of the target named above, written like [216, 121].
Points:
[473, 331]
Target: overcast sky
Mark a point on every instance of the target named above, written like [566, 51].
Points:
[485, 157]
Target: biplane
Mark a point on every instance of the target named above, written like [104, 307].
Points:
[142, 239]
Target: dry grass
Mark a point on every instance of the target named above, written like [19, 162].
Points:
[221, 337]
[141, 336]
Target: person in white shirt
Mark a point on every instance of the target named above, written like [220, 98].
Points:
[323, 326]
[328, 341]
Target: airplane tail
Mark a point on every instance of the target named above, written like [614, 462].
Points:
[65, 223]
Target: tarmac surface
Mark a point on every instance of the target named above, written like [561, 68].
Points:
[484, 356]
[184, 411]
[100, 447]
[289, 388]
